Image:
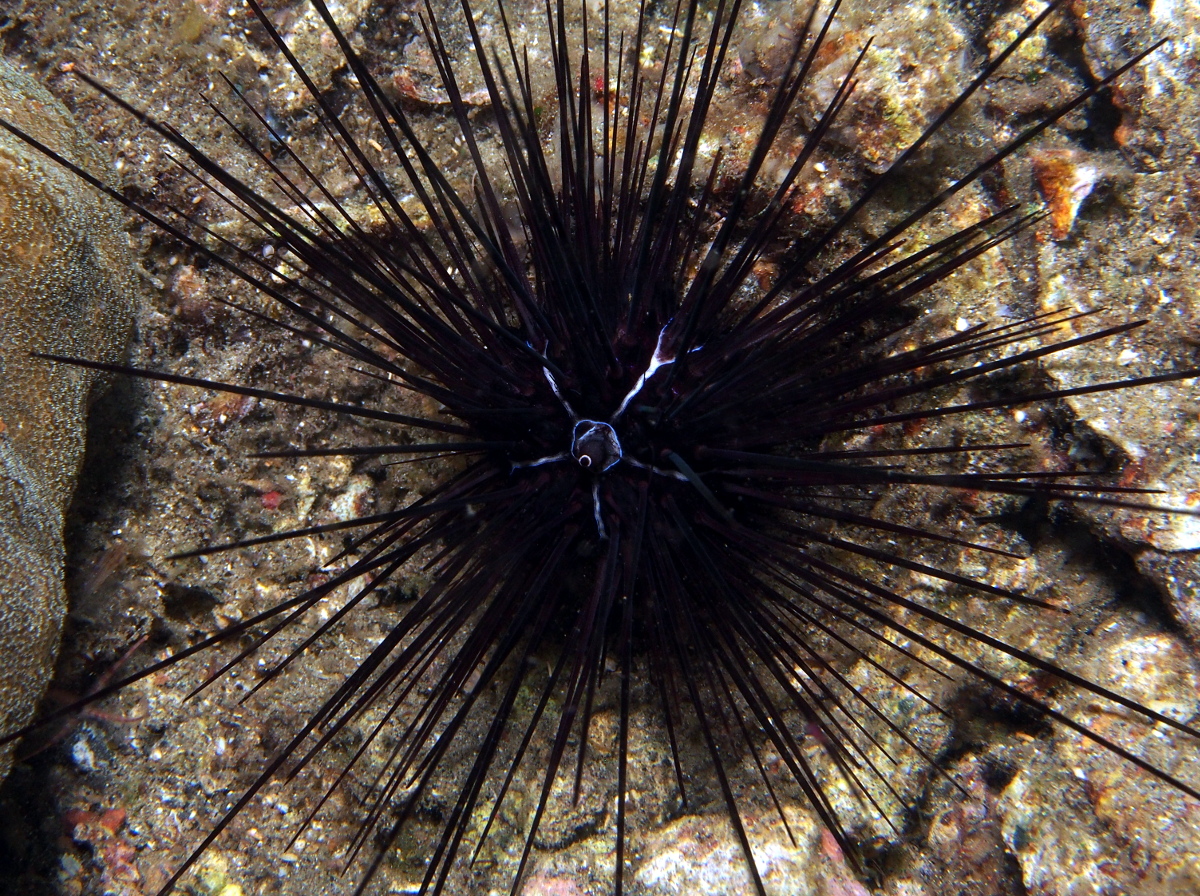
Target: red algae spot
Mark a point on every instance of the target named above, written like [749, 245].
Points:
[116, 856]
[545, 885]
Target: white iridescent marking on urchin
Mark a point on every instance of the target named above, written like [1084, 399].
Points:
[658, 360]
[558, 394]
[595, 445]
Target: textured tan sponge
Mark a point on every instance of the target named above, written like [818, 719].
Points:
[67, 287]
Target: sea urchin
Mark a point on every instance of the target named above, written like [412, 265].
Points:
[672, 411]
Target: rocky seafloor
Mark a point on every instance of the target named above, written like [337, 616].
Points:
[118, 796]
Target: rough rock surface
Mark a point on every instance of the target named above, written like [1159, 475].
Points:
[1144, 267]
[66, 286]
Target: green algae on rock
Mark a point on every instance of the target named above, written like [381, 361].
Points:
[66, 286]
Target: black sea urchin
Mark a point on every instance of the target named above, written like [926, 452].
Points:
[675, 417]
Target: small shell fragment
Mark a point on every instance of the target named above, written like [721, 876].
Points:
[1065, 178]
